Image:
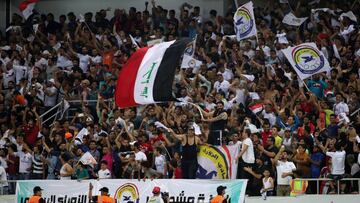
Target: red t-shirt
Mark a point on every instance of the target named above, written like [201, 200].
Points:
[108, 158]
[178, 173]
[264, 137]
[31, 134]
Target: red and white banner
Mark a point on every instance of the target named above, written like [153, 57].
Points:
[27, 7]
[148, 75]
[257, 108]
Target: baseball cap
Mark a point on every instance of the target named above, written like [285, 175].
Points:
[104, 189]
[220, 189]
[37, 189]
[156, 190]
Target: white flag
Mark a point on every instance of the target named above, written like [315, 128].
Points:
[35, 28]
[244, 21]
[291, 19]
[160, 125]
[190, 48]
[190, 62]
[79, 137]
[306, 59]
[134, 42]
[81, 18]
[282, 38]
[88, 159]
[348, 14]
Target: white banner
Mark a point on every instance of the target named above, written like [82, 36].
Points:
[291, 19]
[244, 21]
[306, 59]
[138, 191]
[190, 62]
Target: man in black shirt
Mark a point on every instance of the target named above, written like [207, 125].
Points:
[269, 152]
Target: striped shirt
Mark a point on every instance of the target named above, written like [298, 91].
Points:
[37, 164]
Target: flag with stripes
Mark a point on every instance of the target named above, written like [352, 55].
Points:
[257, 108]
[148, 75]
[26, 7]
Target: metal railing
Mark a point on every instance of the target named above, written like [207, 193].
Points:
[66, 109]
[353, 181]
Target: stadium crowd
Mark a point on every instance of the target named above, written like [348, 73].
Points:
[247, 90]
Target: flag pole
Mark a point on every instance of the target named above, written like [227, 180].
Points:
[305, 85]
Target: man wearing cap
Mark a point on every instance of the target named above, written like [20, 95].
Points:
[220, 197]
[156, 198]
[104, 196]
[36, 198]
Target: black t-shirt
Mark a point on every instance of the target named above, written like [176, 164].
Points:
[267, 160]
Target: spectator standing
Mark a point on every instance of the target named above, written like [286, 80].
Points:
[284, 170]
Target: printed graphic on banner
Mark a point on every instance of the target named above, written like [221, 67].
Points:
[126, 190]
[244, 21]
[217, 162]
[306, 59]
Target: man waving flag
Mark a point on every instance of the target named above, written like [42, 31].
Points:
[148, 75]
[244, 21]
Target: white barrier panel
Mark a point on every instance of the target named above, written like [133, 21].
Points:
[189, 191]
[307, 199]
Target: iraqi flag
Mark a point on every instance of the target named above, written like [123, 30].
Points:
[257, 108]
[148, 75]
[27, 7]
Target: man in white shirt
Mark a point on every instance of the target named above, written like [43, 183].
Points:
[157, 197]
[140, 156]
[284, 169]
[221, 84]
[340, 106]
[50, 94]
[337, 159]
[160, 162]
[25, 158]
[247, 155]
[104, 172]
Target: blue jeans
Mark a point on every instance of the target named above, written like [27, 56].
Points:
[24, 176]
[12, 185]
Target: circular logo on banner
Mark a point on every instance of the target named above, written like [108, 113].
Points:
[191, 63]
[127, 192]
[243, 23]
[212, 164]
[307, 59]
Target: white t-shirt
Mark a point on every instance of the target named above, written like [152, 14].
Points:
[96, 59]
[284, 167]
[248, 156]
[338, 162]
[223, 86]
[240, 96]
[104, 174]
[160, 162]
[7, 77]
[20, 73]
[25, 161]
[341, 108]
[50, 100]
[3, 178]
[84, 62]
[270, 116]
[140, 156]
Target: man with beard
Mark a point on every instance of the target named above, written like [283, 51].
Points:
[218, 119]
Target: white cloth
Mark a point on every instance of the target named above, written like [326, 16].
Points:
[284, 167]
[104, 174]
[25, 161]
[338, 162]
[223, 86]
[140, 156]
[341, 108]
[84, 62]
[248, 156]
[3, 178]
[155, 199]
[160, 162]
